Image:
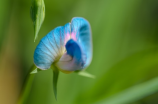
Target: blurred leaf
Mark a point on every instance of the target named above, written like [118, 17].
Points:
[55, 80]
[37, 15]
[133, 94]
[85, 74]
[124, 74]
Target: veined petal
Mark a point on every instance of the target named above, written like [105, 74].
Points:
[81, 33]
[51, 47]
[73, 59]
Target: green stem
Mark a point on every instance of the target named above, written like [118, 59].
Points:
[55, 79]
[27, 86]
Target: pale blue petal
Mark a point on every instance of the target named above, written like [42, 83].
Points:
[51, 47]
[81, 32]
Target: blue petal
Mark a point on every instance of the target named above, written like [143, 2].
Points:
[51, 47]
[74, 50]
[79, 48]
[81, 32]
[73, 59]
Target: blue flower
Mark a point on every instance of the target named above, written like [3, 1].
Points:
[67, 47]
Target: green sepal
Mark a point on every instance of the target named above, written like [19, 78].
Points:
[55, 79]
[37, 12]
[36, 70]
[85, 74]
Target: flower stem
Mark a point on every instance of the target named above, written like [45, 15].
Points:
[55, 79]
[27, 86]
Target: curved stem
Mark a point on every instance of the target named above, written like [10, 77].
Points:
[27, 86]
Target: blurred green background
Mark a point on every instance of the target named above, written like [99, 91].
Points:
[125, 52]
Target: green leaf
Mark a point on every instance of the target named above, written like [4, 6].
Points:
[37, 15]
[124, 74]
[55, 80]
[133, 94]
[85, 74]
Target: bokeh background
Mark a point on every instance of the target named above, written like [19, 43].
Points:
[125, 52]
